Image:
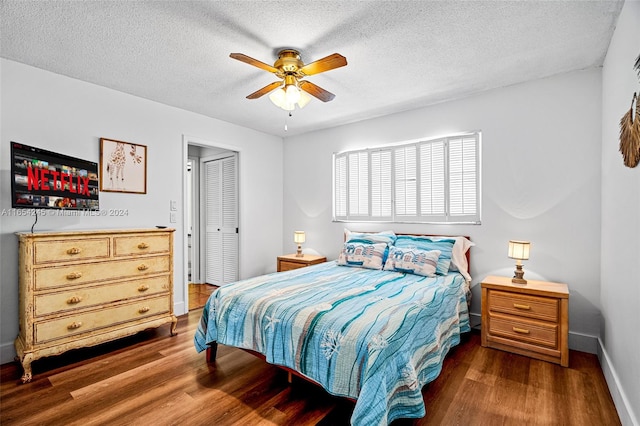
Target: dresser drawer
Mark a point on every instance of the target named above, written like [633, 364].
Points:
[67, 250]
[141, 244]
[542, 308]
[86, 297]
[72, 275]
[533, 332]
[87, 322]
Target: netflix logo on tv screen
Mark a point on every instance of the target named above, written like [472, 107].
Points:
[46, 179]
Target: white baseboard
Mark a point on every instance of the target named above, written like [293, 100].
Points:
[583, 342]
[180, 308]
[620, 400]
[7, 353]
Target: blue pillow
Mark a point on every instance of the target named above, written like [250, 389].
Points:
[444, 245]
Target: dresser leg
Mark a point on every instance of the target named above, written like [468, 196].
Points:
[174, 325]
[26, 366]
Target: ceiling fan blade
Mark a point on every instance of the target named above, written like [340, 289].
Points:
[325, 64]
[256, 63]
[266, 89]
[317, 91]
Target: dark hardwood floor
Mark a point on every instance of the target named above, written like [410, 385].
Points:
[155, 379]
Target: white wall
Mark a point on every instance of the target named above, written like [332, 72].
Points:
[61, 114]
[540, 182]
[620, 275]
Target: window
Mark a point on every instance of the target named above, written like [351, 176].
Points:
[432, 181]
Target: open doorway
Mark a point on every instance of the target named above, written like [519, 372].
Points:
[211, 231]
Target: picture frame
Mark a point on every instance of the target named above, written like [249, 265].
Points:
[123, 166]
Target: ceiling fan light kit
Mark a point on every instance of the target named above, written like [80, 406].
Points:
[292, 90]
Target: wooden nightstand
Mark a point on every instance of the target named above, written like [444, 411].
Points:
[290, 261]
[528, 319]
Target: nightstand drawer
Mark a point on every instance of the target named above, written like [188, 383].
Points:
[287, 266]
[542, 308]
[291, 261]
[533, 332]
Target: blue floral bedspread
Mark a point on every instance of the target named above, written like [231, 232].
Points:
[372, 335]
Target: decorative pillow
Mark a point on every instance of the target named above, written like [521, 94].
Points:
[444, 245]
[387, 237]
[412, 261]
[362, 254]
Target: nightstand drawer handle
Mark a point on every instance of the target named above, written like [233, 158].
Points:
[74, 275]
[143, 267]
[143, 288]
[521, 330]
[74, 325]
[74, 250]
[144, 309]
[521, 306]
[73, 300]
[143, 246]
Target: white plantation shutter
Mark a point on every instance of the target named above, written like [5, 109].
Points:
[381, 184]
[463, 176]
[432, 180]
[428, 181]
[340, 187]
[358, 184]
[406, 182]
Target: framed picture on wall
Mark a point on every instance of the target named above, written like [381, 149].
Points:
[123, 167]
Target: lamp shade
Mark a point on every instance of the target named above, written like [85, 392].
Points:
[298, 237]
[519, 249]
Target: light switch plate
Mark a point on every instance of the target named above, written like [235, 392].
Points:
[172, 217]
[174, 205]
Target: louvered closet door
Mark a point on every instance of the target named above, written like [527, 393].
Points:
[221, 220]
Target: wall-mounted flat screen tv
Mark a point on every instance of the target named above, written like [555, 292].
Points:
[49, 180]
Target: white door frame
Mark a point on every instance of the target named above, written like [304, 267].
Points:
[186, 141]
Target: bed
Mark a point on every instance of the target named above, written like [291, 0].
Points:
[373, 325]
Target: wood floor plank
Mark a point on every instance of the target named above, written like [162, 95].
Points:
[153, 378]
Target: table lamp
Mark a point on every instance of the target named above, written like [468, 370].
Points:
[519, 250]
[298, 238]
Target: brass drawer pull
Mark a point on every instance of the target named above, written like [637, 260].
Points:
[74, 275]
[74, 250]
[73, 300]
[521, 330]
[144, 309]
[521, 306]
[143, 288]
[142, 267]
[143, 246]
[74, 325]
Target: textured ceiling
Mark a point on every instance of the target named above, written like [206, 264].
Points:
[401, 54]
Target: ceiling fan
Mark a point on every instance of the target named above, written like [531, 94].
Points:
[291, 70]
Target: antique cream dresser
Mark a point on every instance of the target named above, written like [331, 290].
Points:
[83, 288]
